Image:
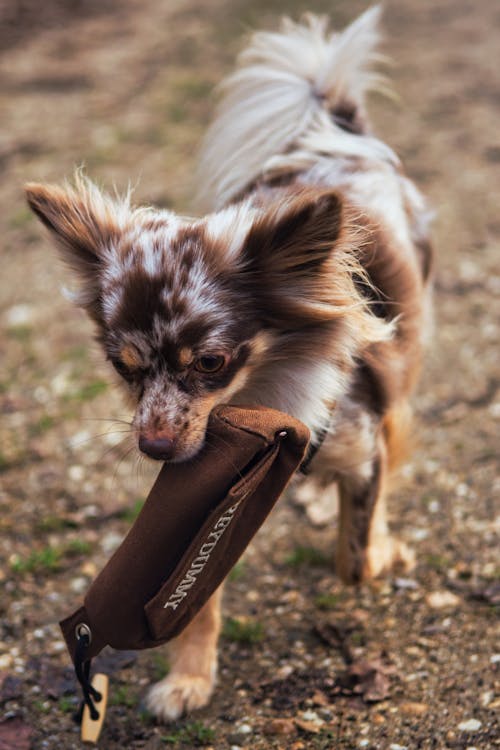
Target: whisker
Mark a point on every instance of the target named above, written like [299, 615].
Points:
[86, 440]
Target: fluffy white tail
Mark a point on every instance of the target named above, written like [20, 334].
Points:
[285, 84]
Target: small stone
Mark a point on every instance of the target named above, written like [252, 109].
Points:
[76, 473]
[89, 569]
[486, 698]
[6, 661]
[418, 535]
[79, 439]
[111, 541]
[311, 716]
[78, 585]
[470, 725]
[405, 583]
[442, 600]
[413, 708]
[244, 729]
[395, 746]
[280, 727]
[299, 745]
[378, 719]
[311, 727]
[19, 315]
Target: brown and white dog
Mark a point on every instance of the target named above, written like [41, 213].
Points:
[307, 286]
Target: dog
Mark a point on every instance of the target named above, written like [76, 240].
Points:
[307, 288]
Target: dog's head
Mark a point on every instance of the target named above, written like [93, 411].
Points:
[188, 310]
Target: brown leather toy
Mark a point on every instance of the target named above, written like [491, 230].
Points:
[196, 522]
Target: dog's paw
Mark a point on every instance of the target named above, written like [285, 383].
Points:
[178, 694]
[385, 555]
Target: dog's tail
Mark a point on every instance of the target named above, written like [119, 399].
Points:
[287, 84]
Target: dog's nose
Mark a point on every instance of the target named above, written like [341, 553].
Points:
[161, 448]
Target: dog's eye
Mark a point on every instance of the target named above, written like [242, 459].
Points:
[128, 373]
[210, 364]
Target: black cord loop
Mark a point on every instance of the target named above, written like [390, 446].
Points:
[82, 671]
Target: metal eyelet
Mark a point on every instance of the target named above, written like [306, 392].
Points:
[82, 630]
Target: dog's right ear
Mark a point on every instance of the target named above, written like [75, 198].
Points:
[84, 222]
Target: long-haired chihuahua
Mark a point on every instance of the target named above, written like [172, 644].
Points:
[306, 288]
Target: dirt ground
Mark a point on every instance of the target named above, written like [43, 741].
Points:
[125, 87]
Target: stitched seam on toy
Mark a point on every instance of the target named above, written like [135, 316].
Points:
[248, 430]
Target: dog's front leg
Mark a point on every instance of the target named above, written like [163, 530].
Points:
[365, 546]
[193, 666]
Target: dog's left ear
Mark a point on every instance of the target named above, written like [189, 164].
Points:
[285, 254]
[84, 222]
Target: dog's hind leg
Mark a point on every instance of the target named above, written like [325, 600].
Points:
[193, 666]
[365, 547]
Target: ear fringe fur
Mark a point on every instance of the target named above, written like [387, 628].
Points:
[84, 220]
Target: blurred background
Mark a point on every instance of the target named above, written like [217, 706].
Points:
[126, 89]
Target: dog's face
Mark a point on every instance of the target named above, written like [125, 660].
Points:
[189, 310]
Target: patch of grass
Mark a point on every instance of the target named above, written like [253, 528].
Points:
[437, 562]
[327, 602]
[358, 638]
[243, 631]
[77, 547]
[21, 218]
[122, 696]
[77, 353]
[177, 112]
[55, 523]
[194, 734]
[67, 704]
[42, 425]
[303, 555]
[50, 558]
[161, 667]
[41, 706]
[46, 560]
[194, 88]
[89, 391]
[130, 514]
[238, 572]
[20, 333]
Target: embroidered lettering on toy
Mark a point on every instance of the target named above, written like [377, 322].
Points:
[201, 559]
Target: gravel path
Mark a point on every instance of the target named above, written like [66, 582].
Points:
[125, 87]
